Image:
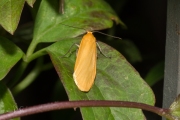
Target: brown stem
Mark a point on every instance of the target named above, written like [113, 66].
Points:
[90, 103]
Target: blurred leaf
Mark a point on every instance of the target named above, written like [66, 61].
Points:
[24, 34]
[155, 74]
[10, 54]
[175, 108]
[10, 12]
[7, 102]
[116, 79]
[30, 2]
[88, 15]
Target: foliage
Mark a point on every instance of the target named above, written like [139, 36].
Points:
[116, 79]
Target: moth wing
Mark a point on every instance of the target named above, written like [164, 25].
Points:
[85, 66]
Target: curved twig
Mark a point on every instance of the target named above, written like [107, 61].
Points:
[89, 103]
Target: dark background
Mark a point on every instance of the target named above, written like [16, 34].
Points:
[146, 23]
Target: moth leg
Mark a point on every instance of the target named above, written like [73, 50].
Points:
[69, 51]
[101, 50]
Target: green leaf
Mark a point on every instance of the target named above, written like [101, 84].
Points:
[10, 12]
[116, 79]
[10, 54]
[88, 15]
[30, 2]
[7, 103]
[175, 108]
[155, 74]
[128, 49]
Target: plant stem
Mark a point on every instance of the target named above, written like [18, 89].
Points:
[31, 49]
[90, 103]
[26, 59]
[29, 78]
[24, 64]
[35, 55]
[18, 74]
[39, 67]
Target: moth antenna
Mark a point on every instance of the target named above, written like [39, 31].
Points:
[108, 35]
[92, 31]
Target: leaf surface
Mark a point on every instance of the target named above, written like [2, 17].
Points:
[10, 54]
[10, 12]
[7, 103]
[116, 79]
[30, 2]
[79, 16]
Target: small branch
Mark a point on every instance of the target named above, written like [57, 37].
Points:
[35, 55]
[19, 72]
[90, 103]
[31, 48]
[29, 78]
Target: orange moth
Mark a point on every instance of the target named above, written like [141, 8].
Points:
[85, 65]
